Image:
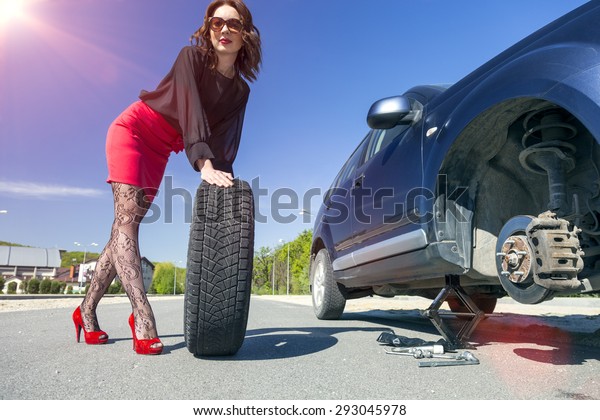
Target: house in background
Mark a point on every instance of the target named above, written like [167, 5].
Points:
[23, 263]
[87, 270]
[68, 276]
[19, 263]
[27, 263]
[147, 272]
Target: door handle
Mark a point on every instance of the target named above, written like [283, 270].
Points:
[359, 181]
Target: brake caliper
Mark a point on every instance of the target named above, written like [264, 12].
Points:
[557, 253]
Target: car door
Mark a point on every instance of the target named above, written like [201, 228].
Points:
[338, 202]
[386, 192]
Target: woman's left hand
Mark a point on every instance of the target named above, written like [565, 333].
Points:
[213, 176]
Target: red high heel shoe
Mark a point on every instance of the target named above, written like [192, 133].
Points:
[144, 346]
[91, 337]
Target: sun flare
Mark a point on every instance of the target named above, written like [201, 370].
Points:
[11, 10]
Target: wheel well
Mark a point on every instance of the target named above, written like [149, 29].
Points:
[485, 160]
[317, 245]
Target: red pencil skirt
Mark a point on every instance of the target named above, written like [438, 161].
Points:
[138, 145]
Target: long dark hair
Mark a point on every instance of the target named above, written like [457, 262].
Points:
[249, 57]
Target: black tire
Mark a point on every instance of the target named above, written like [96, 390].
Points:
[327, 297]
[219, 269]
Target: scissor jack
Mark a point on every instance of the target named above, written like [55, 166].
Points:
[454, 341]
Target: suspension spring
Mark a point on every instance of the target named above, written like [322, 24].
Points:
[547, 151]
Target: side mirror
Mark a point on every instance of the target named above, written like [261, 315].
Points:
[389, 112]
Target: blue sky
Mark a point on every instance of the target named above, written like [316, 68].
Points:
[69, 67]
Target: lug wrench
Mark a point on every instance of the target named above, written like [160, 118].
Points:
[418, 352]
[464, 358]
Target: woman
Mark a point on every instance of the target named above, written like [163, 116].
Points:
[199, 106]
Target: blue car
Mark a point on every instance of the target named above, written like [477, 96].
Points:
[493, 182]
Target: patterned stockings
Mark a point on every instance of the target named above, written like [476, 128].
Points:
[121, 256]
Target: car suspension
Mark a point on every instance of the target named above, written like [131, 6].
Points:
[547, 151]
[549, 251]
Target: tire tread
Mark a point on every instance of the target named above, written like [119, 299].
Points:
[219, 274]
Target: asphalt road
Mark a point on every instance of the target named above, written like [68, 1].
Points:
[289, 355]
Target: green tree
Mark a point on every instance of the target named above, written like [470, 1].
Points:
[262, 270]
[12, 288]
[56, 287]
[68, 257]
[4, 243]
[299, 261]
[181, 276]
[116, 288]
[33, 286]
[2, 281]
[152, 289]
[164, 275]
[45, 286]
[280, 270]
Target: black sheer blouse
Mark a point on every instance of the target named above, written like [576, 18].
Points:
[204, 106]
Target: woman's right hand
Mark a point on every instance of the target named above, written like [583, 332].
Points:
[213, 176]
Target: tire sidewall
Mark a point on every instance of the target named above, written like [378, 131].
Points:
[333, 301]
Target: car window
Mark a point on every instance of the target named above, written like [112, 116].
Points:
[381, 139]
[351, 164]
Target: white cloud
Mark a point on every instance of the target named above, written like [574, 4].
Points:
[37, 190]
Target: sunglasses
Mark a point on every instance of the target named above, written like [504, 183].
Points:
[217, 23]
